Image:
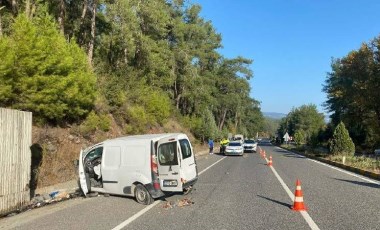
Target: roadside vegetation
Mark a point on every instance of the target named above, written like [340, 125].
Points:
[92, 70]
[353, 132]
[312, 136]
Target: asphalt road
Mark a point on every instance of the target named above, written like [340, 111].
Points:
[235, 193]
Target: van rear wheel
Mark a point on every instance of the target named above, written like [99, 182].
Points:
[142, 195]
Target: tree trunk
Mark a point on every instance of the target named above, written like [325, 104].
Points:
[125, 56]
[14, 7]
[30, 8]
[27, 8]
[236, 120]
[1, 25]
[221, 124]
[61, 17]
[92, 39]
[177, 100]
[84, 11]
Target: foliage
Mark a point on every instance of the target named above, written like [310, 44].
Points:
[305, 119]
[341, 142]
[361, 162]
[95, 122]
[353, 95]
[270, 127]
[299, 137]
[153, 59]
[44, 74]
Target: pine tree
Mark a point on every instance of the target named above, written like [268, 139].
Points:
[341, 142]
[43, 73]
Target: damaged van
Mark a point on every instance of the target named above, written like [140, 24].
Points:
[141, 166]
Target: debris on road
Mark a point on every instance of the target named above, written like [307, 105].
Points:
[179, 203]
[40, 200]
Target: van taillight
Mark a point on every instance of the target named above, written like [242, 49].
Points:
[156, 185]
[154, 165]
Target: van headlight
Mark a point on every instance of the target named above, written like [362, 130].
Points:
[170, 183]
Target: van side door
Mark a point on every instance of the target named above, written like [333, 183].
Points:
[168, 165]
[111, 172]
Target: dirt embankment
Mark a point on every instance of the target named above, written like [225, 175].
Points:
[55, 149]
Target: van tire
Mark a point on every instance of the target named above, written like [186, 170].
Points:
[142, 195]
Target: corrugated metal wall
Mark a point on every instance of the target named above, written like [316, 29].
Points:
[15, 158]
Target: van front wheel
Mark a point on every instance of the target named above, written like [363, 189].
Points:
[142, 195]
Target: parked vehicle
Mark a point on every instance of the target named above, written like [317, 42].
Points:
[141, 166]
[250, 146]
[234, 148]
[239, 137]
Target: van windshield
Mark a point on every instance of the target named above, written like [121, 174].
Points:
[167, 154]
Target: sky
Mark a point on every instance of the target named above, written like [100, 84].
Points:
[291, 43]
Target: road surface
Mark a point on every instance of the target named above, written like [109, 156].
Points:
[231, 193]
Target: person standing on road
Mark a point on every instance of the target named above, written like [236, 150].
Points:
[211, 146]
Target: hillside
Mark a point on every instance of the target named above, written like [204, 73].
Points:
[274, 115]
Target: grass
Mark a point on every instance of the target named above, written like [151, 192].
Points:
[361, 162]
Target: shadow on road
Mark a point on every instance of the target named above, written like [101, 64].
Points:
[264, 144]
[276, 201]
[292, 155]
[281, 151]
[371, 185]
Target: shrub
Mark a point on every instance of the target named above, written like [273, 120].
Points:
[137, 119]
[43, 73]
[341, 142]
[95, 122]
[299, 137]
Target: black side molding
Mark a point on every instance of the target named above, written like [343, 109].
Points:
[110, 182]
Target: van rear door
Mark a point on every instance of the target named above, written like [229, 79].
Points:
[168, 165]
[82, 175]
[188, 165]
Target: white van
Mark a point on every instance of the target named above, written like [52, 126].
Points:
[141, 166]
[239, 137]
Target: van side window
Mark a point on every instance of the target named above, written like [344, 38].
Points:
[167, 154]
[95, 153]
[185, 148]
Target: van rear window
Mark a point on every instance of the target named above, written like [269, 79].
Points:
[185, 148]
[167, 154]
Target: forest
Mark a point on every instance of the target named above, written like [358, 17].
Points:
[142, 62]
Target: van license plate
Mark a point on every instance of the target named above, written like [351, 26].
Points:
[170, 183]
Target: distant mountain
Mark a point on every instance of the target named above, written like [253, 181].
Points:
[274, 115]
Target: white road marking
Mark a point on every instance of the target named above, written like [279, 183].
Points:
[204, 170]
[346, 172]
[304, 214]
[336, 168]
[141, 212]
[137, 215]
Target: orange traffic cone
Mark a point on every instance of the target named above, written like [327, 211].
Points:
[298, 198]
[270, 161]
[264, 156]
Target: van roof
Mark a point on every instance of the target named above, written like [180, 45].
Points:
[137, 139]
[151, 137]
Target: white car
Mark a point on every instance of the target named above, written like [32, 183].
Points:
[234, 148]
[250, 146]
